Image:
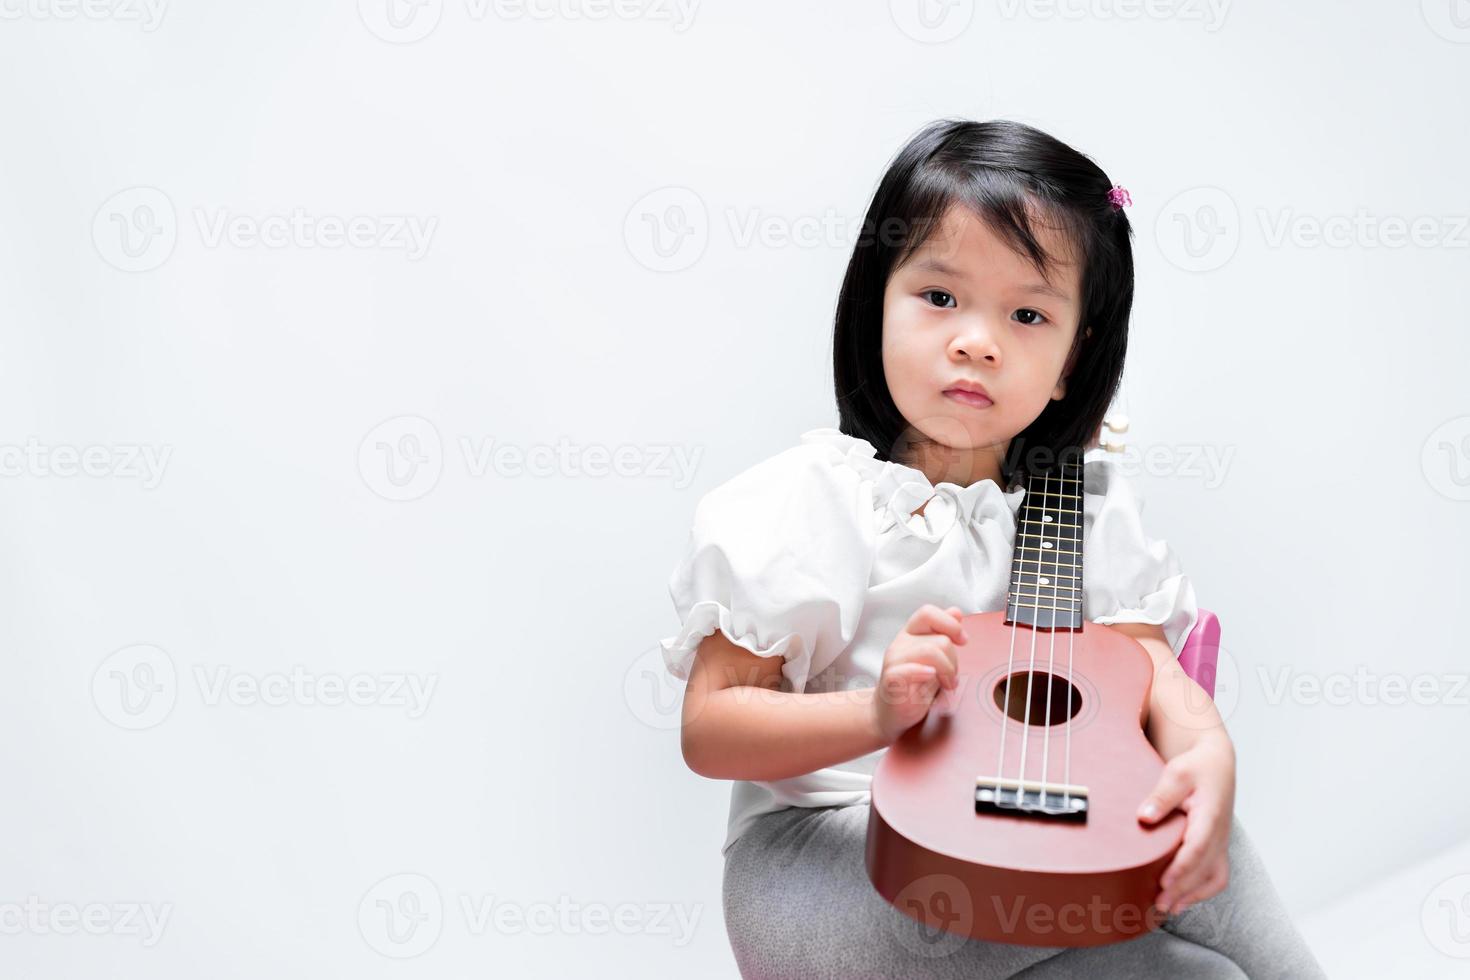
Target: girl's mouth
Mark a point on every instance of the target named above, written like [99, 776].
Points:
[971, 398]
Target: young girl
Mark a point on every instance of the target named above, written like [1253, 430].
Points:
[984, 317]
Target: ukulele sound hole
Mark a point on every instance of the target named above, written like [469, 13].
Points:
[1065, 700]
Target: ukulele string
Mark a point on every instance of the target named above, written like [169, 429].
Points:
[1058, 524]
[1031, 670]
[1017, 594]
[1030, 681]
[1015, 600]
[1051, 666]
[1076, 596]
[1010, 661]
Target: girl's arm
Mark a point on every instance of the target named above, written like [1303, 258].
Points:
[1198, 777]
[1180, 714]
[737, 724]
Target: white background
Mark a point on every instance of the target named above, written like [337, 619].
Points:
[326, 503]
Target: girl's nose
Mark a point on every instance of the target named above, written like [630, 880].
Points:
[976, 341]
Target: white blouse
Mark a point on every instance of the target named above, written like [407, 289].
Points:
[815, 555]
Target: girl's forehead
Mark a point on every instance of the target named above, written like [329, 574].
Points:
[965, 247]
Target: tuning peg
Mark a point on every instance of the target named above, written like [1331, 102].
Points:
[1113, 447]
[1118, 423]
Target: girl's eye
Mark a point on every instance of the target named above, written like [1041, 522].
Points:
[939, 292]
[1033, 313]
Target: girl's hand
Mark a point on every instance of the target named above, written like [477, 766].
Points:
[1201, 782]
[919, 661]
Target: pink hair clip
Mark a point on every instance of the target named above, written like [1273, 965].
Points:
[1120, 197]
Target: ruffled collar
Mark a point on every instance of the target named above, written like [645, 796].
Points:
[899, 490]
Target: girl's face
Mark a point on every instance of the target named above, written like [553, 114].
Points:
[965, 307]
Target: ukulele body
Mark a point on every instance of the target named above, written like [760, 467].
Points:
[1002, 876]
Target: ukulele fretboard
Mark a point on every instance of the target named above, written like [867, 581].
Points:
[1046, 569]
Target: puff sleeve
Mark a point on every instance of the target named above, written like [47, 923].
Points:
[1128, 577]
[778, 560]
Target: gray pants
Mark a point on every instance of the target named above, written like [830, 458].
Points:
[798, 904]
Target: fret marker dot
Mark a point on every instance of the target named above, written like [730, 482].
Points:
[1045, 581]
[1046, 518]
[1046, 544]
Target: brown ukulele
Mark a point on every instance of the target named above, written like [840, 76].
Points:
[1009, 813]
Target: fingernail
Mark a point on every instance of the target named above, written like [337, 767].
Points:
[1149, 811]
[964, 637]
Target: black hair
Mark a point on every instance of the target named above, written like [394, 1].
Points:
[1006, 173]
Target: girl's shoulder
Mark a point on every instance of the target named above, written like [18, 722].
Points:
[818, 480]
[1108, 487]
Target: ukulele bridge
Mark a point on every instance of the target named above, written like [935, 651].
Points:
[1031, 798]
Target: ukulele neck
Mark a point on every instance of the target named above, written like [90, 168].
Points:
[1046, 567]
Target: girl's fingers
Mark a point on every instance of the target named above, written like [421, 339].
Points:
[902, 680]
[931, 619]
[1212, 885]
[1189, 864]
[1175, 783]
[944, 662]
[1191, 871]
[1183, 877]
